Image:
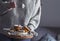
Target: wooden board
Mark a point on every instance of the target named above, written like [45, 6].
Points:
[20, 37]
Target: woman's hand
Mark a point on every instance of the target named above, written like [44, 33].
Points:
[26, 29]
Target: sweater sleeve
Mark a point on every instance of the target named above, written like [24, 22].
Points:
[5, 7]
[36, 15]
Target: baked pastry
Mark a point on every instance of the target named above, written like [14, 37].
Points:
[26, 29]
[18, 30]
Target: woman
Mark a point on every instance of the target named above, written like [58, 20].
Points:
[21, 12]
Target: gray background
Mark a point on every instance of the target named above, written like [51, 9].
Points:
[50, 13]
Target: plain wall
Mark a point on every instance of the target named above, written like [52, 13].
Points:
[50, 13]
